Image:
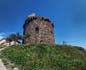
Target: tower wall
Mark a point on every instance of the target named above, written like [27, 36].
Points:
[40, 30]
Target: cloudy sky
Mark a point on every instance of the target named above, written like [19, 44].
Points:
[68, 16]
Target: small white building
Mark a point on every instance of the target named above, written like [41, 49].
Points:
[13, 43]
[6, 43]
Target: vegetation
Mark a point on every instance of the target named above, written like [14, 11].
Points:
[13, 37]
[17, 37]
[46, 57]
[1, 46]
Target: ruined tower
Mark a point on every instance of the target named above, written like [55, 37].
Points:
[40, 30]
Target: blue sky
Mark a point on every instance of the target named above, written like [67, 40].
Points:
[68, 16]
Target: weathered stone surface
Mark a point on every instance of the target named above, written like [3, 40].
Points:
[40, 28]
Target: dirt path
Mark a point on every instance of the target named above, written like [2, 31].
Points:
[2, 67]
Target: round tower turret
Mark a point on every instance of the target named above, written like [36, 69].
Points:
[40, 30]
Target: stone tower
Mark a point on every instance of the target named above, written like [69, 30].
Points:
[40, 30]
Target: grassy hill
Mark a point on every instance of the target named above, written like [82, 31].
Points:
[46, 57]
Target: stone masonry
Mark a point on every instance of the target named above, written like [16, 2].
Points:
[40, 30]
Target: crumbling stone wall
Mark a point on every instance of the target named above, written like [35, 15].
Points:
[40, 30]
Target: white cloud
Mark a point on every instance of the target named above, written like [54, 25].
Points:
[1, 37]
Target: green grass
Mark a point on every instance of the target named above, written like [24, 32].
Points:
[46, 57]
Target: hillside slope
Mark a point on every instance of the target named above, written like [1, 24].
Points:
[46, 57]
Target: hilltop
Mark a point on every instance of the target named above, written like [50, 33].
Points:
[46, 57]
